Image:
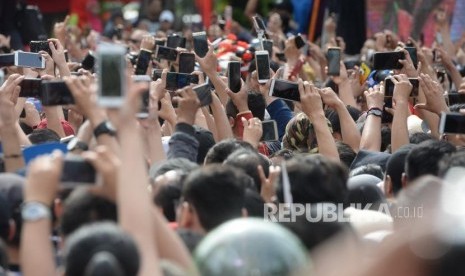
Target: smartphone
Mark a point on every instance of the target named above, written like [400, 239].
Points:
[145, 97]
[259, 23]
[156, 74]
[387, 117]
[167, 53]
[200, 43]
[77, 171]
[174, 41]
[37, 46]
[412, 51]
[88, 62]
[389, 87]
[234, 76]
[55, 92]
[334, 59]
[453, 123]
[186, 63]
[270, 131]
[159, 42]
[387, 60]
[262, 63]
[30, 88]
[281, 57]
[7, 60]
[31, 60]
[285, 89]
[268, 46]
[143, 62]
[299, 41]
[455, 98]
[204, 94]
[175, 81]
[111, 74]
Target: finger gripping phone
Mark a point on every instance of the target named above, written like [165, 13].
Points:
[204, 94]
[285, 89]
[389, 87]
[143, 62]
[262, 63]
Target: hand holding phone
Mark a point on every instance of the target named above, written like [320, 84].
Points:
[270, 131]
[387, 60]
[37, 46]
[55, 92]
[200, 44]
[186, 63]
[334, 61]
[111, 74]
[262, 63]
[29, 60]
[166, 53]
[285, 90]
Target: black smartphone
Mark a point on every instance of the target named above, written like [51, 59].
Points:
[186, 63]
[453, 123]
[281, 57]
[55, 92]
[204, 94]
[270, 131]
[234, 76]
[455, 98]
[143, 62]
[7, 60]
[88, 62]
[412, 51]
[387, 117]
[387, 60]
[77, 171]
[30, 88]
[159, 42]
[156, 74]
[334, 59]
[262, 63]
[268, 46]
[145, 97]
[29, 60]
[299, 41]
[389, 87]
[285, 89]
[259, 23]
[167, 53]
[200, 43]
[175, 81]
[174, 41]
[37, 46]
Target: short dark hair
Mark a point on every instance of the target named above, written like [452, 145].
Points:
[456, 159]
[371, 169]
[44, 135]
[217, 193]
[424, 158]
[254, 204]
[256, 103]
[220, 151]
[346, 153]
[248, 161]
[181, 164]
[91, 240]
[456, 107]
[418, 137]
[315, 179]
[82, 207]
[166, 198]
[385, 138]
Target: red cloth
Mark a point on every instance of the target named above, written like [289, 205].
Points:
[51, 6]
[238, 126]
[66, 126]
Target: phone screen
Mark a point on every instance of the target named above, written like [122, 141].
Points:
[175, 41]
[456, 98]
[285, 90]
[412, 51]
[55, 93]
[171, 81]
[30, 88]
[156, 74]
[259, 23]
[200, 43]
[33, 60]
[334, 58]
[145, 96]
[186, 63]
[389, 87]
[263, 66]
[37, 46]
[270, 131]
[268, 46]
[88, 62]
[204, 94]
[299, 41]
[387, 60]
[234, 76]
[143, 62]
[387, 117]
[77, 171]
[7, 60]
[111, 74]
[166, 53]
[452, 123]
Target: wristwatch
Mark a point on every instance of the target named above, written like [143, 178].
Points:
[34, 211]
[75, 144]
[104, 127]
[375, 111]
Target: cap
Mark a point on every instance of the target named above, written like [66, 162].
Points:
[167, 15]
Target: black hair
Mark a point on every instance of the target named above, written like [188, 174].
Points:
[346, 153]
[180, 164]
[11, 188]
[456, 107]
[418, 137]
[217, 194]
[385, 138]
[371, 169]
[424, 158]
[254, 204]
[456, 159]
[101, 247]
[221, 150]
[26, 128]
[315, 179]
[82, 207]
[284, 153]
[248, 161]
[41, 136]
[167, 197]
[333, 117]
[256, 103]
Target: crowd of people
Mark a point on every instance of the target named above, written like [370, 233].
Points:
[361, 178]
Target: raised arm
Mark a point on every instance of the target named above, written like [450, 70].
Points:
[371, 135]
[400, 102]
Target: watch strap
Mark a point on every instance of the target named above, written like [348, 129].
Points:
[103, 128]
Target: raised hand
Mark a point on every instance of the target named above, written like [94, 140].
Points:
[253, 131]
[434, 94]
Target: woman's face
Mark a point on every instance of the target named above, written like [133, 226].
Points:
[274, 23]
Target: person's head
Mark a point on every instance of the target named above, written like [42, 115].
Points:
[221, 150]
[371, 169]
[275, 24]
[11, 188]
[333, 118]
[256, 104]
[418, 137]
[456, 159]
[248, 246]
[44, 135]
[346, 153]
[458, 139]
[166, 20]
[254, 203]
[424, 158]
[315, 179]
[101, 249]
[212, 195]
[364, 192]
[166, 191]
[248, 161]
[173, 164]
[281, 155]
[385, 139]
[82, 207]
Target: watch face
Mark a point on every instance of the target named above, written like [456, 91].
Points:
[377, 112]
[110, 126]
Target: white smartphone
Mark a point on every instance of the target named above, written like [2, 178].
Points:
[270, 131]
[31, 60]
[262, 63]
[111, 74]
